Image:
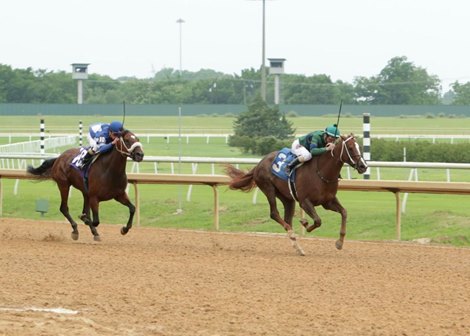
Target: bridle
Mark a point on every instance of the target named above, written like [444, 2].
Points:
[127, 151]
[345, 148]
[344, 151]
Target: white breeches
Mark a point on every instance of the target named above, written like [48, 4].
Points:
[302, 153]
[93, 144]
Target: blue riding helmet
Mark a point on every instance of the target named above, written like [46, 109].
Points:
[116, 127]
[333, 130]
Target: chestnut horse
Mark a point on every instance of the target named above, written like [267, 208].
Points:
[106, 179]
[316, 183]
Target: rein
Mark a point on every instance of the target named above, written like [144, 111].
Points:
[343, 148]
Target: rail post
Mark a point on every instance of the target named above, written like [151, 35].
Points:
[366, 141]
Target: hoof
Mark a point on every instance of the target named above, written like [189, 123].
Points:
[96, 238]
[124, 230]
[339, 244]
[74, 235]
[310, 228]
[304, 222]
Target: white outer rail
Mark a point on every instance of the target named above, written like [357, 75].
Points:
[195, 159]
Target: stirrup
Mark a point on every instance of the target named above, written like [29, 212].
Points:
[291, 166]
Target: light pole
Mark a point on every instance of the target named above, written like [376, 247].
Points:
[263, 53]
[263, 57]
[180, 22]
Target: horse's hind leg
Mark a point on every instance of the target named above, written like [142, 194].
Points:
[124, 199]
[64, 209]
[274, 214]
[289, 210]
[336, 206]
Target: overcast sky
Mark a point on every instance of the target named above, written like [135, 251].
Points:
[340, 38]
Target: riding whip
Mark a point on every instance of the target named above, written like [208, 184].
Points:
[124, 112]
[339, 115]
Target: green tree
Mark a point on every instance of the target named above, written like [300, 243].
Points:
[54, 87]
[6, 76]
[102, 90]
[317, 89]
[261, 129]
[462, 93]
[400, 82]
[17, 85]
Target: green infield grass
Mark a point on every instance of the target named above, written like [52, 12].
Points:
[371, 215]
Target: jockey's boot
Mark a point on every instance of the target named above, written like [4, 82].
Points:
[87, 158]
[290, 167]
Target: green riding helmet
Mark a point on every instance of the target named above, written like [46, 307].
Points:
[333, 130]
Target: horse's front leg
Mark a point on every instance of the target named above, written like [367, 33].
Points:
[64, 209]
[124, 200]
[308, 207]
[336, 206]
[94, 205]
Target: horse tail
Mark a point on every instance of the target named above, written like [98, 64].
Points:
[44, 170]
[240, 180]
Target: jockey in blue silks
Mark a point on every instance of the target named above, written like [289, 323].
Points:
[102, 137]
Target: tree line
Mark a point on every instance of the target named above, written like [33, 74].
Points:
[399, 82]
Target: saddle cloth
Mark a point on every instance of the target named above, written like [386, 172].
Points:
[280, 162]
[77, 160]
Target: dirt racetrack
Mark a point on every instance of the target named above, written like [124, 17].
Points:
[170, 282]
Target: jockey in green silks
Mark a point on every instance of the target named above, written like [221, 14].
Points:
[313, 144]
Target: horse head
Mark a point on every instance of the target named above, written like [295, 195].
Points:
[350, 153]
[130, 145]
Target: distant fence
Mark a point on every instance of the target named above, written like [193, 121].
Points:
[34, 146]
[224, 109]
[208, 137]
[18, 161]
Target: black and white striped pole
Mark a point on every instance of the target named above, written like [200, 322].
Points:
[42, 134]
[366, 141]
[80, 133]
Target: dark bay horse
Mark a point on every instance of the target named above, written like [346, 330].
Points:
[316, 183]
[107, 180]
